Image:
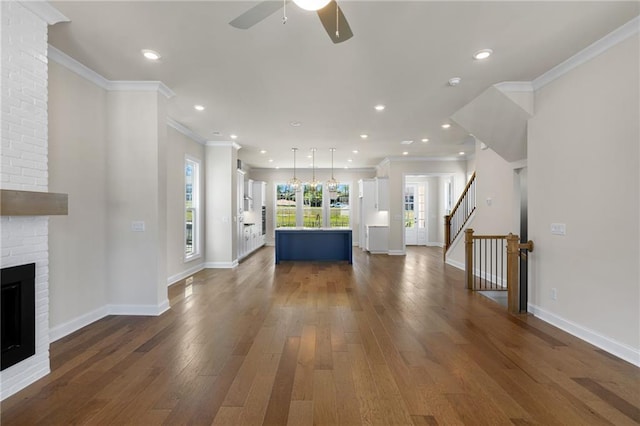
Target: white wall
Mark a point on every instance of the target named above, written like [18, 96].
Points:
[496, 208]
[583, 159]
[178, 147]
[78, 242]
[398, 169]
[273, 177]
[221, 205]
[136, 191]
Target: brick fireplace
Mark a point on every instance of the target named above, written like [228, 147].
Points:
[23, 153]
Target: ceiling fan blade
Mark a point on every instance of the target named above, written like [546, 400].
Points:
[327, 16]
[256, 14]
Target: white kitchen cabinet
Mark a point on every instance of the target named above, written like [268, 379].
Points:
[377, 239]
[248, 196]
[382, 194]
[259, 194]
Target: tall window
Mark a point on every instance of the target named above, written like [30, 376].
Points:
[312, 207]
[339, 207]
[191, 206]
[285, 206]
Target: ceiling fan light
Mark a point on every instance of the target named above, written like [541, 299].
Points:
[311, 4]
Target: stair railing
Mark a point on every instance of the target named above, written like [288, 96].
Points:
[454, 222]
[492, 262]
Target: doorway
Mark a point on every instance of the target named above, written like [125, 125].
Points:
[415, 217]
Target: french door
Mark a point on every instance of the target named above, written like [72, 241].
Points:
[415, 225]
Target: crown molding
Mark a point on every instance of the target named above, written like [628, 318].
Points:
[426, 159]
[140, 86]
[613, 38]
[87, 73]
[82, 70]
[223, 143]
[180, 128]
[45, 11]
[515, 86]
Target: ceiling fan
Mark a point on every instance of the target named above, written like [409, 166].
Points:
[330, 14]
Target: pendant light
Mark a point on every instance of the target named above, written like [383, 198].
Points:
[314, 183]
[294, 183]
[332, 184]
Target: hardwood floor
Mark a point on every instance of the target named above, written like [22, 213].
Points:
[387, 340]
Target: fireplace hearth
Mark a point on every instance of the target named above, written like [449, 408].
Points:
[17, 314]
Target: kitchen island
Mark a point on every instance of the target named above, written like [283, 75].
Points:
[321, 244]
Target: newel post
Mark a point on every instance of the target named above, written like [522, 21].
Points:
[468, 257]
[513, 287]
[447, 234]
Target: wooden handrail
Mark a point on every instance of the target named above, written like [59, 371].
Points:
[514, 252]
[450, 236]
[464, 192]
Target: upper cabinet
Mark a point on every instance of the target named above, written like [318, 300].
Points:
[259, 194]
[382, 194]
[248, 195]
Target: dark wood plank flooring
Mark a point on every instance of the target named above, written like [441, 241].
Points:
[388, 340]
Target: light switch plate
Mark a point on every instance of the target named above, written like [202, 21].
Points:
[558, 229]
[137, 226]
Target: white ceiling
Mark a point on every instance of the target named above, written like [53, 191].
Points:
[255, 82]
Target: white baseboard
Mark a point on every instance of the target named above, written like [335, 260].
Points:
[221, 265]
[378, 251]
[397, 253]
[434, 244]
[143, 310]
[619, 349]
[64, 329]
[184, 274]
[455, 264]
[24, 373]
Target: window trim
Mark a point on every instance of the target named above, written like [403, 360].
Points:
[195, 209]
[326, 210]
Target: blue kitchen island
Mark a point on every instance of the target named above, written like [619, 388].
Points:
[321, 244]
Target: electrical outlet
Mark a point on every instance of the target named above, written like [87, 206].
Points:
[554, 294]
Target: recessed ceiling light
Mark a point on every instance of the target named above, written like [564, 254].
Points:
[355, 151]
[234, 136]
[199, 107]
[346, 167]
[406, 142]
[350, 160]
[271, 160]
[309, 156]
[262, 151]
[482, 54]
[461, 153]
[454, 81]
[380, 107]
[446, 125]
[295, 124]
[277, 167]
[151, 55]
[405, 153]
[364, 136]
[425, 140]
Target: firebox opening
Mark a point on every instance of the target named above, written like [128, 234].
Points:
[17, 314]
